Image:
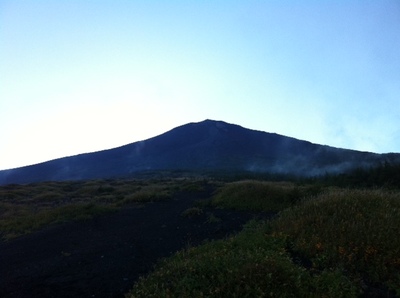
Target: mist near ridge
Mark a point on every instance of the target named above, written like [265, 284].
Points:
[204, 146]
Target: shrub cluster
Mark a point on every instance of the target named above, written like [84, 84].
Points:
[261, 195]
[250, 264]
[354, 230]
[332, 243]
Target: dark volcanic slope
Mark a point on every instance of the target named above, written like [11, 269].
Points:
[207, 145]
[103, 257]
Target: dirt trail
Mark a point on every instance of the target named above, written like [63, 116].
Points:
[103, 257]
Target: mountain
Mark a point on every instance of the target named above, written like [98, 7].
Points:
[207, 145]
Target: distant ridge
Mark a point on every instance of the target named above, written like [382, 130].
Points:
[208, 145]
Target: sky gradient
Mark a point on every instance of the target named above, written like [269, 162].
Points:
[79, 76]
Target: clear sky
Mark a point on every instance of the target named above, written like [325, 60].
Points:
[83, 75]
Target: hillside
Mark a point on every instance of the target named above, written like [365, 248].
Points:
[208, 145]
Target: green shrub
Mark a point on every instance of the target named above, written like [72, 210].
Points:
[49, 196]
[258, 195]
[357, 230]
[213, 219]
[191, 212]
[192, 186]
[25, 221]
[336, 244]
[105, 189]
[251, 264]
[147, 194]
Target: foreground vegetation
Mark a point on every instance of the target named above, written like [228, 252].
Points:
[27, 208]
[353, 231]
[262, 195]
[330, 238]
[251, 264]
[330, 242]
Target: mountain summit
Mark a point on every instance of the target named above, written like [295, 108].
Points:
[208, 145]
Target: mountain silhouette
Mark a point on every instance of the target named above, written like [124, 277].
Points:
[208, 145]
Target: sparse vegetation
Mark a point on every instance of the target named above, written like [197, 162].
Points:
[213, 219]
[352, 230]
[324, 243]
[191, 212]
[23, 220]
[251, 264]
[327, 241]
[26, 208]
[261, 195]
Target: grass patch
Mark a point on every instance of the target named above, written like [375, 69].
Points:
[213, 219]
[336, 243]
[48, 196]
[251, 264]
[356, 230]
[25, 221]
[260, 195]
[149, 193]
[26, 208]
[191, 212]
[192, 186]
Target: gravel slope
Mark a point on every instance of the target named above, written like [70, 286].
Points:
[103, 257]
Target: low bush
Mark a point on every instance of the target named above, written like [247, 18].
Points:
[48, 196]
[146, 194]
[260, 195]
[213, 219]
[191, 212]
[25, 220]
[250, 264]
[356, 230]
[338, 243]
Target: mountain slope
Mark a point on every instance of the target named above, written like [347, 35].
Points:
[207, 145]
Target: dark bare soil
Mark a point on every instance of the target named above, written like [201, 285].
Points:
[103, 257]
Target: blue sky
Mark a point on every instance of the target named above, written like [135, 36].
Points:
[79, 76]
